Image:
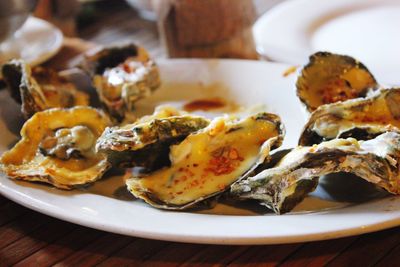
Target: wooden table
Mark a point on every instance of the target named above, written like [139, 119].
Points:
[28, 238]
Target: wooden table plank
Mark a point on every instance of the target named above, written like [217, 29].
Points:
[368, 249]
[270, 255]
[96, 251]
[62, 248]
[10, 211]
[17, 229]
[135, 253]
[318, 253]
[3, 200]
[174, 254]
[216, 256]
[392, 258]
[47, 233]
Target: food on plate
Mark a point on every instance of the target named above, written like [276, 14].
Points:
[146, 142]
[329, 78]
[283, 186]
[362, 118]
[208, 161]
[40, 88]
[185, 159]
[57, 146]
[122, 75]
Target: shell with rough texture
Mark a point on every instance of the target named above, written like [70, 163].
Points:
[283, 186]
[362, 118]
[329, 78]
[122, 75]
[146, 142]
[57, 147]
[40, 88]
[208, 161]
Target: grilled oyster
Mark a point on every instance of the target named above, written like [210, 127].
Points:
[362, 118]
[208, 161]
[146, 143]
[39, 88]
[330, 78]
[57, 147]
[122, 76]
[283, 186]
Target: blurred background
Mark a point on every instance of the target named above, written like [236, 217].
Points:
[108, 21]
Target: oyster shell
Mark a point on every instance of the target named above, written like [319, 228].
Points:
[206, 162]
[362, 118]
[146, 142]
[122, 75]
[40, 88]
[283, 186]
[57, 147]
[329, 78]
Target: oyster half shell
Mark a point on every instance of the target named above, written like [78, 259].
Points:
[40, 88]
[362, 118]
[146, 142]
[57, 147]
[122, 75]
[283, 186]
[329, 78]
[208, 161]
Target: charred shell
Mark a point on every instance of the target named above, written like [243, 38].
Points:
[40, 88]
[329, 78]
[122, 75]
[283, 186]
[57, 146]
[362, 118]
[146, 143]
[208, 161]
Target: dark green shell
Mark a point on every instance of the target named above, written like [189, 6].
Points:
[329, 78]
[147, 144]
[362, 118]
[283, 186]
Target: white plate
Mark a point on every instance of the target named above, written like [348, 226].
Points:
[364, 29]
[106, 205]
[35, 42]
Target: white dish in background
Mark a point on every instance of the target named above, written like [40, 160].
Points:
[36, 42]
[107, 206]
[364, 29]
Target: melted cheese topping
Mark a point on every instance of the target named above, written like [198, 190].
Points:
[208, 162]
[371, 114]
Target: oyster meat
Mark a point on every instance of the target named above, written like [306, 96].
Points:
[283, 186]
[122, 75]
[57, 146]
[40, 88]
[208, 161]
[362, 118]
[329, 78]
[146, 142]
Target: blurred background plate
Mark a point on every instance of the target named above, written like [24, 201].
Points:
[364, 29]
[35, 42]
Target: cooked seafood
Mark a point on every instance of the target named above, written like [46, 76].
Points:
[362, 118]
[146, 143]
[39, 88]
[122, 75]
[57, 147]
[208, 161]
[330, 78]
[283, 186]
